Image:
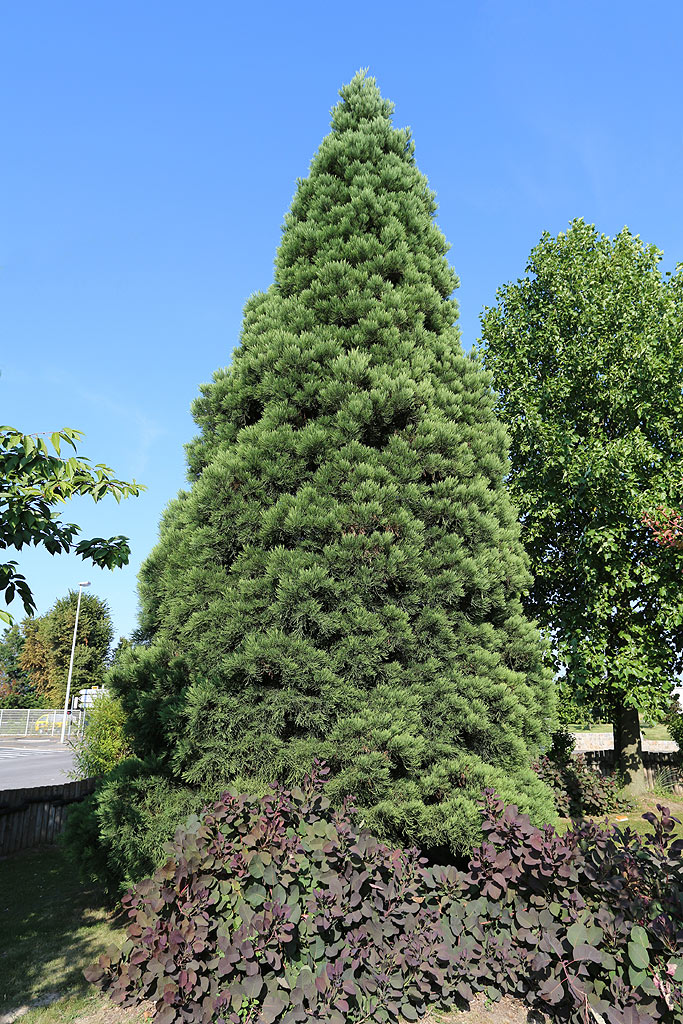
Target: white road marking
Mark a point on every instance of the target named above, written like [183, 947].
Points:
[9, 753]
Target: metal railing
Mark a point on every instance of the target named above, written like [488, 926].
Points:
[39, 722]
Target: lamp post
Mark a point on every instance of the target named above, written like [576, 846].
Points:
[71, 662]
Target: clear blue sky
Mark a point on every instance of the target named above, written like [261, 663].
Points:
[150, 151]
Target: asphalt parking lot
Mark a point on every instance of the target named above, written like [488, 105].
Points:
[28, 762]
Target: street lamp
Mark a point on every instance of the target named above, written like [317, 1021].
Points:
[71, 662]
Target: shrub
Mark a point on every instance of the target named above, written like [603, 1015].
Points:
[80, 840]
[591, 919]
[674, 722]
[104, 743]
[283, 909]
[280, 905]
[118, 834]
[578, 788]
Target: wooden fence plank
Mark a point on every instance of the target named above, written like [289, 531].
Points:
[654, 761]
[31, 817]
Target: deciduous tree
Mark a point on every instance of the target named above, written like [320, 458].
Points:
[33, 659]
[586, 353]
[16, 689]
[46, 649]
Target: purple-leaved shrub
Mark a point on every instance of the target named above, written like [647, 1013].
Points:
[283, 909]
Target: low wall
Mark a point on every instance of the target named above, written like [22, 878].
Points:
[31, 817]
[605, 741]
[658, 763]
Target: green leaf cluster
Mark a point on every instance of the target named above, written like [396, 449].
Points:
[34, 481]
[104, 743]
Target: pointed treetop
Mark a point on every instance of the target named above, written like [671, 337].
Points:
[361, 101]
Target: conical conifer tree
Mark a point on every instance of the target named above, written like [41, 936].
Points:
[343, 578]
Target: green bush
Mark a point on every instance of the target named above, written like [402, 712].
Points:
[579, 789]
[104, 743]
[117, 836]
[84, 845]
[674, 723]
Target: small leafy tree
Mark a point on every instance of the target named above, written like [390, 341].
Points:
[34, 483]
[17, 688]
[16, 693]
[585, 353]
[33, 658]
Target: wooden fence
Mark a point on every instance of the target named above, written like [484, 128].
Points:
[661, 767]
[31, 817]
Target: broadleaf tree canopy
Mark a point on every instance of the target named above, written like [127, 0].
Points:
[46, 646]
[586, 354]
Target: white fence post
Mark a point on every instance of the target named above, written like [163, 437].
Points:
[28, 715]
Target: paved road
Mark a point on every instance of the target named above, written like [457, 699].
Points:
[27, 762]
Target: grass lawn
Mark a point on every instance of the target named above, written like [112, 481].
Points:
[633, 818]
[52, 927]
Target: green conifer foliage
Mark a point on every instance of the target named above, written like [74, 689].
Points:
[343, 578]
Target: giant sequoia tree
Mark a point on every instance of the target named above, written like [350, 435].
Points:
[343, 578]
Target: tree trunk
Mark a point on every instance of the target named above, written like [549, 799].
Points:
[628, 750]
